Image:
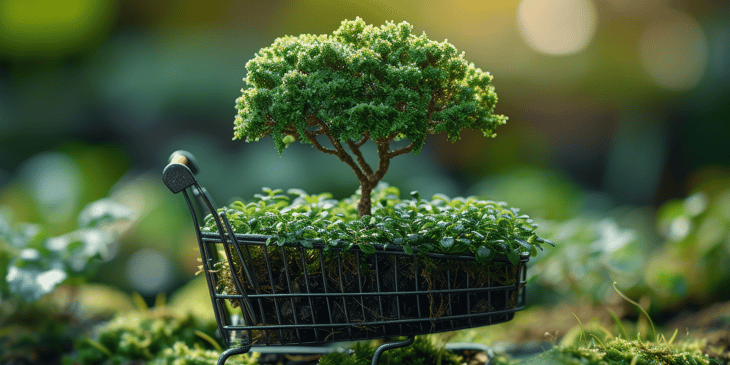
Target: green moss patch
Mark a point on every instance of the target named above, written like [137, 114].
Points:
[423, 351]
[623, 352]
[157, 336]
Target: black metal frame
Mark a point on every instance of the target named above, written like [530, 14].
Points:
[253, 316]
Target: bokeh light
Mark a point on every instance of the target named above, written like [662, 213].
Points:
[557, 27]
[674, 51]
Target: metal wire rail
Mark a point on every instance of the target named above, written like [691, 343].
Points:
[267, 296]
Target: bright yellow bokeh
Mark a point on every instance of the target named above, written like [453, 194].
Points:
[557, 27]
[53, 27]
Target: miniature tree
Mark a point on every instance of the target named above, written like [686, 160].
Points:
[363, 83]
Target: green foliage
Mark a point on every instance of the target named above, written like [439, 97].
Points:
[364, 80]
[423, 351]
[182, 354]
[37, 332]
[158, 336]
[692, 265]
[592, 254]
[461, 225]
[32, 263]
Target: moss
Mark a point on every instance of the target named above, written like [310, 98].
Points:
[181, 354]
[159, 334]
[624, 352]
[423, 351]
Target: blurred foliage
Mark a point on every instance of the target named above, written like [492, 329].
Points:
[33, 263]
[593, 253]
[52, 186]
[40, 331]
[674, 256]
[692, 264]
[53, 28]
[159, 335]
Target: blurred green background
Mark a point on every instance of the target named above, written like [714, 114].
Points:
[616, 143]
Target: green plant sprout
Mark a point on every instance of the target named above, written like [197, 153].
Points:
[363, 83]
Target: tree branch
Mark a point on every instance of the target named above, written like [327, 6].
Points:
[340, 152]
[355, 148]
[384, 163]
[313, 139]
[400, 151]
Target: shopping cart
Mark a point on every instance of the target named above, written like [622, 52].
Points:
[301, 299]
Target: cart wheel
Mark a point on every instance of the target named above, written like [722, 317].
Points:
[186, 158]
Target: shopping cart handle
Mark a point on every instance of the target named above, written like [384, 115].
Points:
[179, 173]
[186, 158]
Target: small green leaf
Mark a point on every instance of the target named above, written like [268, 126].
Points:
[525, 246]
[513, 257]
[367, 248]
[447, 243]
[408, 249]
[544, 240]
[484, 255]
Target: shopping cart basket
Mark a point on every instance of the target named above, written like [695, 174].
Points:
[284, 296]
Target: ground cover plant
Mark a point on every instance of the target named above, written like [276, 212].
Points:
[471, 225]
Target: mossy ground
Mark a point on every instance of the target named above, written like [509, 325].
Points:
[624, 352]
[169, 334]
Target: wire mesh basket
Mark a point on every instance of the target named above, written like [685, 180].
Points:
[265, 295]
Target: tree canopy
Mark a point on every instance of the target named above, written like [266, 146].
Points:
[363, 83]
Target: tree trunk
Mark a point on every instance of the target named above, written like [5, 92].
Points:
[365, 204]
